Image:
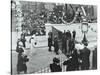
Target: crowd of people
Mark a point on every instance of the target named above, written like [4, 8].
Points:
[78, 60]
[68, 42]
[75, 59]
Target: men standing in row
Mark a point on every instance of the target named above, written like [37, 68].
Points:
[68, 35]
[67, 42]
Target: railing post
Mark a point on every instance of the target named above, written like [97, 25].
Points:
[91, 59]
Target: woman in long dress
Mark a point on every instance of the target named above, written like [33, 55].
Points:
[32, 46]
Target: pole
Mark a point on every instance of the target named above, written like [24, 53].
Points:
[91, 59]
[19, 18]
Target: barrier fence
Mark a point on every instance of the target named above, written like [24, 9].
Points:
[47, 69]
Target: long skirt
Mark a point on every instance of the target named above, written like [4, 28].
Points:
[32, 48]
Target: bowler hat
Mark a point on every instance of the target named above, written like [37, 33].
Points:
[56, 60]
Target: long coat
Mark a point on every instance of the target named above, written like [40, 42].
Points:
[84, 56]
[94, 61]
[55, 68]
[49, 42]
[56, 46]
[72, 64]
[21, 66]
[64, 41]
[71, 45]
[74, 34]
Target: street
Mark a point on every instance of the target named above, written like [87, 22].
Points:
[42, 57]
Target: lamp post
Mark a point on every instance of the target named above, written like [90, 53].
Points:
[84, 29]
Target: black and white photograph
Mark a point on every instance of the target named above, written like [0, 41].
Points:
[53, 37]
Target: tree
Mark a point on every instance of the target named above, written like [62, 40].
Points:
[56, 14]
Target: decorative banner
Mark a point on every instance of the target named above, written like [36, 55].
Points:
[82, 14]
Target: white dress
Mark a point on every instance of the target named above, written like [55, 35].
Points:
[32, 48]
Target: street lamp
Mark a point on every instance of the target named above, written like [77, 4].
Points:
[84, 29]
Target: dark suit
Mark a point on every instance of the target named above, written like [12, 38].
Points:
[71, 46]
[94, 60]
[49, 43]
[56, 46]
[21, 65]
[64, 43]
[55, 68]
[74, 34]
[72, 64]
[84, 56]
